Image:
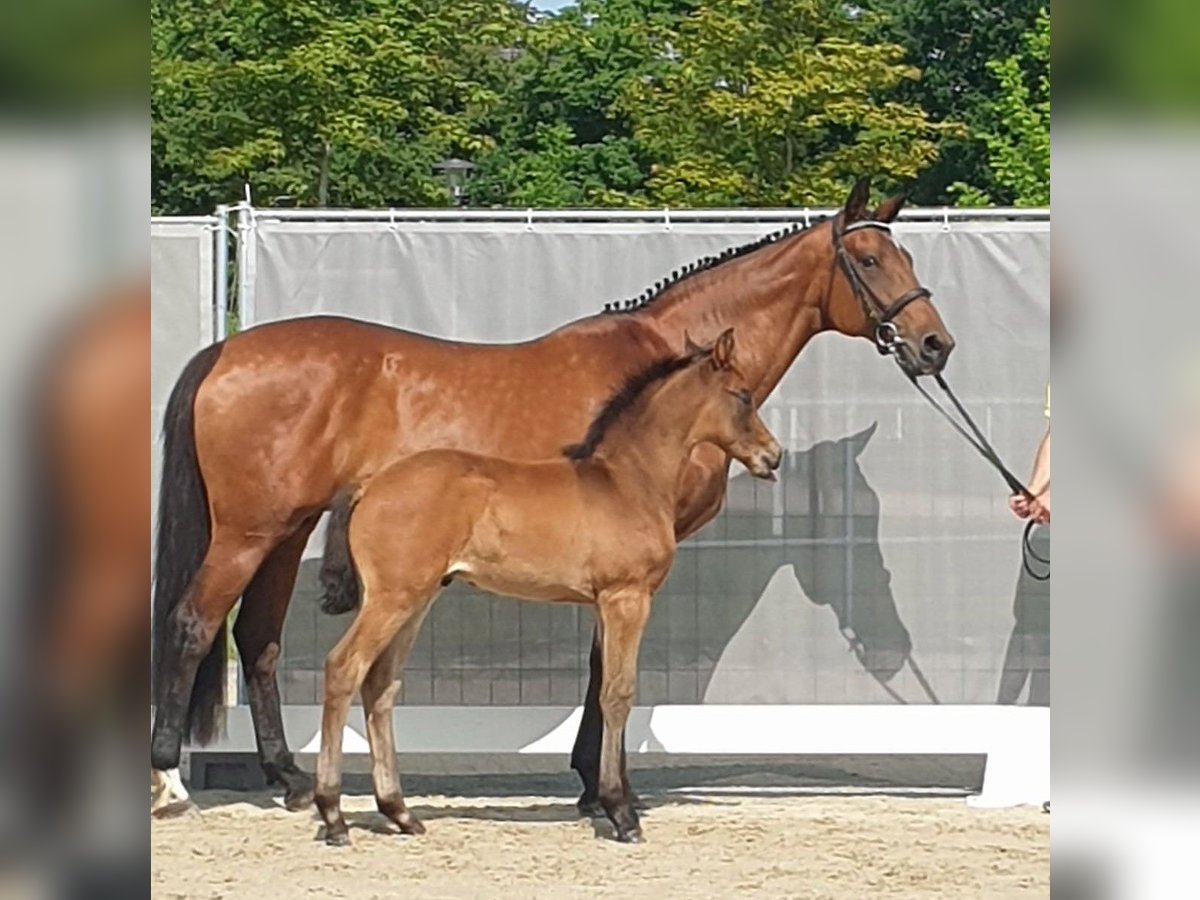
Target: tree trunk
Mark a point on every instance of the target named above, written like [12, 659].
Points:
[323, 183]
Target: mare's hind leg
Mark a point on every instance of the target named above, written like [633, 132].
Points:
[379, 698]
[228, 566]
[623, 616]
[585, 755]
[257, 633]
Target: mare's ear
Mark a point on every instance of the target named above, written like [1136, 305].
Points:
[890, 208]
[722, 353]
[855, 209]
[858, 442]
[690, 347]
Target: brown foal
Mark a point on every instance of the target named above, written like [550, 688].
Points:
[597, 527]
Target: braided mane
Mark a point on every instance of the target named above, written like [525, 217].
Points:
[705, 264]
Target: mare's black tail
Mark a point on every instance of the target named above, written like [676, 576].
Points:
[183, 537]
[339, 577]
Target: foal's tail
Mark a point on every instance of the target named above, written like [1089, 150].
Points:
[339, 577]
[183, 538]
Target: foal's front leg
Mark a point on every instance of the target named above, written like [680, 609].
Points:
[622, 617]
[585, 755]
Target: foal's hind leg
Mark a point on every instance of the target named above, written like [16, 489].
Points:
[379, 698]
[257, 633]
[623, 618]
[345, 669]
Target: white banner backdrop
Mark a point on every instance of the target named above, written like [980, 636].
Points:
[883, 568]
[181, 310]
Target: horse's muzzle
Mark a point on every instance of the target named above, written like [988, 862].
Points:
[766, 463]
[934, 351]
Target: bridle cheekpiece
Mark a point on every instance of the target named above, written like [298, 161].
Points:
[879, 311]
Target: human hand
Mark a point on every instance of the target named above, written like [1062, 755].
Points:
[1021, 505]
[1041, 508]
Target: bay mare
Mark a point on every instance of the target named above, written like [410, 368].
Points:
[263, 431]
[597, 527]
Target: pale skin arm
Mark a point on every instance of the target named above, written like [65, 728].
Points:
[1039, 486]
[1177, 497]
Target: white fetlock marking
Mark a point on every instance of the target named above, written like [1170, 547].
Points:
[166, 788]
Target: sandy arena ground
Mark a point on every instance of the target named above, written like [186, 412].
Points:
[699, 845]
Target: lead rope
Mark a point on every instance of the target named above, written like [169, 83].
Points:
[985, 449]
[882, 314]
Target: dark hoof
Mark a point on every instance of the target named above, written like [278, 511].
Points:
[1046, 807]
[589, 806]
[299, 797]
[338, 833]
[176, 810]
[298, 786]
[626, 827]
[394, 809]
[412, 825]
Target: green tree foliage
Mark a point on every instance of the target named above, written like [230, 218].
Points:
[1016, 128]
[779, 103]
[608, 102]
[350, 99]
[561, 138]
[953, 42]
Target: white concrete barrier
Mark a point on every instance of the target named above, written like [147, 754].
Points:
[1015, 739]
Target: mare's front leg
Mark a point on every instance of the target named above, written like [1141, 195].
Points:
[257, 634]
[623, 616]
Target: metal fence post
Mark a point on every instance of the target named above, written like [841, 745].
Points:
[247, 255]
[221, 285]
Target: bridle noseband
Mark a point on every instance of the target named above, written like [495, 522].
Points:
[879, 311]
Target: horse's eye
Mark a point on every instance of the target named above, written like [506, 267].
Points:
[745, 397]
[869, 262]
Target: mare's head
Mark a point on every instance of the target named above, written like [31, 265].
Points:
[727, 416]
[874, 291]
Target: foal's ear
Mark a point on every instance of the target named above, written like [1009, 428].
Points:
[855, 209]
[722, 353]
[890, 208]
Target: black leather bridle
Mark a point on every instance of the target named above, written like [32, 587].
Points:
[887, 342]
[878, 310]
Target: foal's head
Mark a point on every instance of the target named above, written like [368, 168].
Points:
[700, 396]
[727, 416]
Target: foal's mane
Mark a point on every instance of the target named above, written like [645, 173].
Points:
[623, 398]
[706, 264]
